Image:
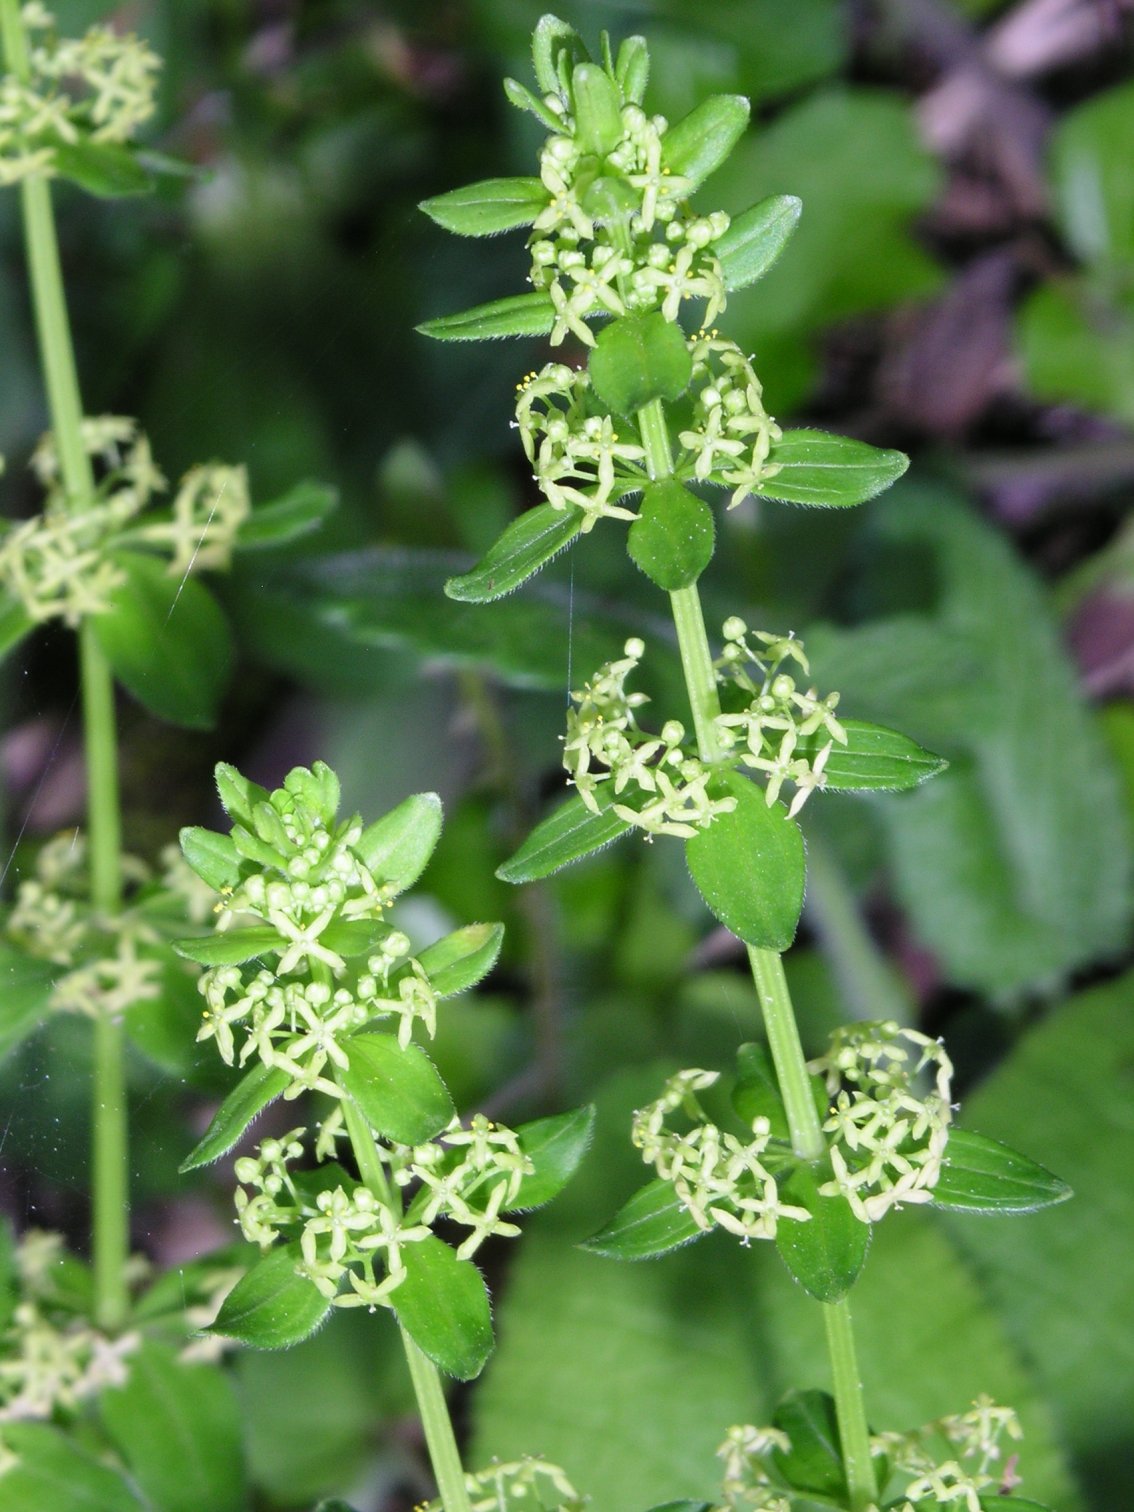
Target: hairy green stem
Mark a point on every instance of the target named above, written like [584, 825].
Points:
[783, 1040]
[110, 1218]
[850, 1406]
[444, 1455]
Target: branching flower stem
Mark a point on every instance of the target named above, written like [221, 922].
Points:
[110, 1186]
[775, 1000]
[435, 1420]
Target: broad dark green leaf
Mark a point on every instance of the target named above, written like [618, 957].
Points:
[528, 544]
[15, 623]
[396, 848]
[756, 1092]
[251, 1095]
[166, 640]
[829, 471]
[672, 539]
[516, 315]
[749, 866]
[462, 958]
[298, 513]
[25, 987]
[568, 834]
[984, 1176]
[555, 1146]
[653, 1222]
[231, 948]
[212, 856]
[873, 759]
[106, 169]
[54, 1475]
[485, 208]
[396, 1089]
[755, 239]
[443, 1305]
[814, 1461]
[639, 358]
[177, 1426]
[272, 1306]
[826, 1254]
[598, 110]
[700, 142]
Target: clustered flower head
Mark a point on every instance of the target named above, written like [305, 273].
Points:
[887, 1138]
[719, 1178]
[351, 1240]
[730, 433]
[527, 1485]
[95, 88]
[61, 564]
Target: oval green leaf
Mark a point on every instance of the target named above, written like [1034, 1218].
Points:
[232, 948]
[700, 142]
[443, 1305]
[212, 856]
[749, 866]
[551, 38]
[53, 1475]
[353, 937]
[598, 109]
[528, 544]
[251, 1095]
[756, 1092]
[106, 169]
[485, 208]
[826, 1254]
[755, 239]
[639, 358]
[982, 1175]
[814, 1462]
[462, 959]
[396, 1088]
[238, 794]
[166, 640]
[272, 1306]
[568, 834]
[300, 511]
[829, 472]
[653, 1222]
[672, 539]
[874, 759]
[555, 1146]
[25, 989]
[516, 315]
[396, 848]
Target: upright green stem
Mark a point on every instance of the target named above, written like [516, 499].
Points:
[110, 1190]
[435, 1420]
[775, 1000]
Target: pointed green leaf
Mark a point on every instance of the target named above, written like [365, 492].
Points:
[15, 622]
[272, 1306]
[516, 315]
[396, 848]
[238, 794]
[252, 848]
[984, 1176]
[443, 1305]
[353, 937]
[251, 1095]
[826, 1254]
[461, 959]
[25, 989]
[653, 1222]
[873, 759]
[212, 856]
[299, 512]
[830, 472]
[106, 169]
[755, 239]
[166, 640]
[177, 1426]
[232, 948]
[568, 834]
[528, 544]
[551, 38]
[814, 1461]
[756, 1092]
[598, 109]
[632, 68]
[555, 1146]
[396, 1088]
[700, 142]
[672, 539]
[488, 207]
[749, 866]
[54, 1475]
[522, 98]
[639, 358]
